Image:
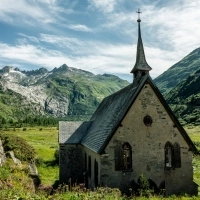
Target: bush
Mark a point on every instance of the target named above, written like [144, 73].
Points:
[39, 161]
[19, 146]
[143, 184]
[56, 156]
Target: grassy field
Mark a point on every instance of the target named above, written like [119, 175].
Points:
[45, 142]
[194, 133]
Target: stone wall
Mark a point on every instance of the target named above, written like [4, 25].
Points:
[90, 180]
[71, 164]
[148, 142]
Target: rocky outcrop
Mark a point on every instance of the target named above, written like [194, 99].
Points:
[2, 154]
[15, 160]
[32, 168]
[57, 107]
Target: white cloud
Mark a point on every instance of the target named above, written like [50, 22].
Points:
[32, 55]
[80, 27]
[101, 58]
[31, 38]
[28, 12]
[70, 43]
[176, 26]
[102, 5]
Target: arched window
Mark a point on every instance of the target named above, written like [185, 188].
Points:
[127, 157]
[169, 155]
[123, 157]
[177, 155]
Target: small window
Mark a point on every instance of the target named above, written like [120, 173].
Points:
[147, 120]
[169, 155]
[127, 157]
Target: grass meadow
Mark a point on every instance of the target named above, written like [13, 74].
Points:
[45, 142]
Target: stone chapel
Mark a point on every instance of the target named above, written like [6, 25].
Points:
[133, 132]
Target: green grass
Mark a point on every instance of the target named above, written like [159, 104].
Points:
[45, 142]
[194, 133]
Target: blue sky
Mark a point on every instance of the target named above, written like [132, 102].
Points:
[99, 36]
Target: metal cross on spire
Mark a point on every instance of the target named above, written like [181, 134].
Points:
[138, 12]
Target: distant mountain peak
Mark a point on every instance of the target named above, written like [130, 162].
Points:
[6, 69]
[62, 68]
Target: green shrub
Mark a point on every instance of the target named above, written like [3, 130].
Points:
[5, 173]
[143, 184]
[56, 156]
[19, 146]
[39, 161]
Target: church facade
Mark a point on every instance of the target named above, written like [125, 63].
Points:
[132, 133]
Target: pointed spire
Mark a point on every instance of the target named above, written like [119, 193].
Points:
[141, 64]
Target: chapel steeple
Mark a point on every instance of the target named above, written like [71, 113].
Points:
[141, 66]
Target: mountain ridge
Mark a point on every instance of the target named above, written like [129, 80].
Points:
[62, 92]
[180, 87]
[178, 72]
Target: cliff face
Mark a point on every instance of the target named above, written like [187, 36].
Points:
[62, 92]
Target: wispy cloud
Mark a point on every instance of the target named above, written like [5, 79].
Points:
[104, 6]
[30, 38]
[101, 58]
[176, 26]
[80, 27]
[23, 11]
[31, 13]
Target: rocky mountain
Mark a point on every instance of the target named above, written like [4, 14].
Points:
[179, 72]
[185, 99]
[180, 86]
[63, 92]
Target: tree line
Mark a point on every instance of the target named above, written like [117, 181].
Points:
[29, 121]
